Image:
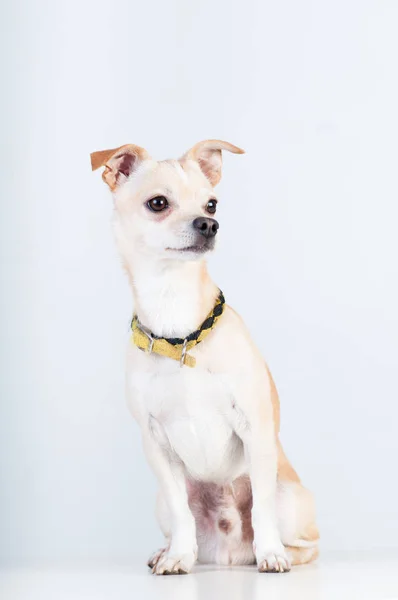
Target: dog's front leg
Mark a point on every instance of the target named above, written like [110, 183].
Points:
[182, 553]
[256, 429]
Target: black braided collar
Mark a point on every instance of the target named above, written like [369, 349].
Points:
[207, 324]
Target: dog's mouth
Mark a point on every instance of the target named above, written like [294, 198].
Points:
[199, 248]
[196, 249]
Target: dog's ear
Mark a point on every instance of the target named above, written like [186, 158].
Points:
[119, 163]
[208, 155]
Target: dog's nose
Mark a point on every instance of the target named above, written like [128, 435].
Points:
[205, 226]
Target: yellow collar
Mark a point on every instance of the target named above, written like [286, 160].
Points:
[176, 348]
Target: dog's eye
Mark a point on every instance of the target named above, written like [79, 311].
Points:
[157, 204]
[211, 206]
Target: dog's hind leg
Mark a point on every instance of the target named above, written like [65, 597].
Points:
[294, 503]
[296, 521]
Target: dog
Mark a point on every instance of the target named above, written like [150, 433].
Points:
[204, 399]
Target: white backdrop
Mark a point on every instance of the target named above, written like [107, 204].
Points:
[308, 252]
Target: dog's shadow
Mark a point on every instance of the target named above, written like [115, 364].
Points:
[208, 582]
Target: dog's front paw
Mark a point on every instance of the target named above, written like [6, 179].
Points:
[169, 564]
[155, 557]
[274, 561]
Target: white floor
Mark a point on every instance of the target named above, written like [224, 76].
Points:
[353, 578]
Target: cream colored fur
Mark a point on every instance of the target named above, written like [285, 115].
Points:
[210, 433]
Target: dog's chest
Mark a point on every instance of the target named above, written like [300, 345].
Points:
[189, 412]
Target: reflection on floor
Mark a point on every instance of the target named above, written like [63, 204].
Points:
[334, 577]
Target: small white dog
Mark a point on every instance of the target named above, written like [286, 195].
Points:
[204, 399]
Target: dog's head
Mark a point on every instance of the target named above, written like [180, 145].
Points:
[165, 209]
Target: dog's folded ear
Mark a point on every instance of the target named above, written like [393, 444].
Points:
[208, 155]
[119, 163]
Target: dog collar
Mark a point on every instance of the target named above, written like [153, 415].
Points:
[176, 348]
